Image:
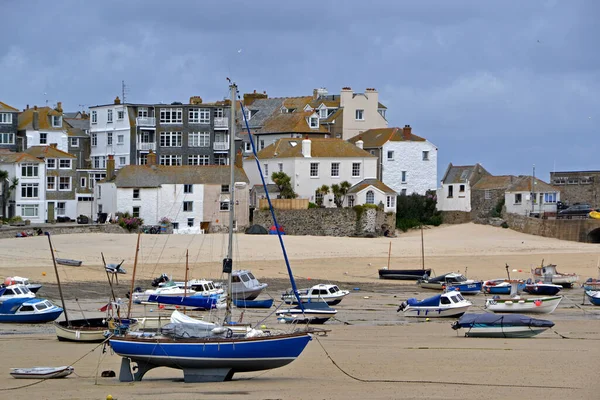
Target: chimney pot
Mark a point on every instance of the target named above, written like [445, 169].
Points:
[306, 147]
[117, 100]
[59, 107]
[360, 143]
[27, 107]
[110, 167]
[53, 145]
[151, 159]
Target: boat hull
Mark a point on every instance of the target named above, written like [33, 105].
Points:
[253, 303]
[201, 302]
[467, 288]
[92, 330]
[593, 297]
[542, 305]
[71, 263]
[404, 274]
[504, 332]
[41, 372]
[435, 312]
[543, 289]
[33, 318]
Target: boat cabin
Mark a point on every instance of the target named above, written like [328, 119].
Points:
[16, 305]
[15, 291]
[449, 278]
[244, 277]
[321, 290]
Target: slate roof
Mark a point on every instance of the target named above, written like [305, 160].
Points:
[494, 182]
[6, 108]
[48, 152]
[460, 173]
[522, 183]
[377, 137]
[292, 148]
[10, 157]
[78, 123]
[26, 119]
[295, 122]
[148, 176]
[365, 183]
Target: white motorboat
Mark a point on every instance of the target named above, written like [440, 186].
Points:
[549, 274]
[449, 304]
[18, 280]
[517, 304]
[244, 286]
[309, 313]
[169, 289]
[16, 291]
[41, 372]
[330, 294]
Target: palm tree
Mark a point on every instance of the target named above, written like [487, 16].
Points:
[320, 194]
[8, 185]
[339, 192]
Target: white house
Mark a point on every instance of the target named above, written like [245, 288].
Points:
[455, 193]
[28, 200]
[520, 198]
[41, 126]
[312, 163]
[372, 191]
[192, 196]
[407, 162]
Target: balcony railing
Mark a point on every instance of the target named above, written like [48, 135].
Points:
[146, 121]
[221, 145]
[146, 146]
[222, 122]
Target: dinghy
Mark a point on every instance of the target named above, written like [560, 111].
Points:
[499, 286]
[71, 263]
[593, 297]
[41, 372]
[501, 326]
[454, 280]
[449, 304]
[267, 303]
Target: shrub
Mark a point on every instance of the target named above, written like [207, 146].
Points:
[129, 223]
[16, 218]
[504, 225]
[415, 210]
[312, 205]
[497, 211]
[435, 220]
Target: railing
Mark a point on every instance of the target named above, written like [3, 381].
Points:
[221, 146]
[145, 121]
[221, 122]
[146, 146]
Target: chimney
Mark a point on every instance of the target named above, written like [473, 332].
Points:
[35, 122]
[239, 159]
[110, 167]
[53, 145]
[346, 95]
[306, 143]
[151, 159]
[195, 100]
[360, 143]
[117, 100]
[59, 107]
[406, 132]
[27, 107]
[315, 94]
[250, 97]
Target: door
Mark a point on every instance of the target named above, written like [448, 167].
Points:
[50, 212]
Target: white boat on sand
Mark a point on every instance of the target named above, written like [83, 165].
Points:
[41, 372]
[330, 294]
[449, 304]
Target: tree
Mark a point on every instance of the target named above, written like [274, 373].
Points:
[339, 192]
[7, 187]
[284, 184]
[320, 194]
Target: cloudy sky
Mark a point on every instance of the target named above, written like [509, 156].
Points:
[506, 83]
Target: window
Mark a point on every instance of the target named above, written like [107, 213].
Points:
[391, 201]
[43, 138]
[188, 206]
[175, 225]
[29, 190]
[136, 194]
[56, 121]
[219, 113]
[83, 182]
[381, 112]
[425, 156]
[193, 116]
[335, 169]
[224, 188]
[122, 160]
[266, 170]
[370, 197]
[29, 210]
[50, 183]
[64, 183]
[64, 163]
[99, 195]
[224, 206]
[109, 116]
[120, 114]
[221, 159]
[198, 160]
[143, 112]
[518, 198]
[120, 139]
[314, 170]
[7, 138]
[74, 142]
[51, 163]
[572, 181]
[170, 139]
[280, 167]
[109, 138]
[171, 115]
[99, 162]
[61, 208]
[355, 170]
[450, 191]
[190, 222]
[403, 192]
[204, 116]
[549, 197]
[586, 180]
[318, 197]
[314, 122]
[390, 155]
[350, 201]
[136, 212]
[403, 176]
[5, 118]
[461, 188]
[262, 144]
[247, 147]
[29, 170]
[94, 117]
[99, 207]
[487, 195]
[323, 113]
[360, 115]
[170, 159]
[94, 139]
[199, 139]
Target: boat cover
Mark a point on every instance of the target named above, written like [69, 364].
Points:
[429, 302]
[469, 320]
[186, 330]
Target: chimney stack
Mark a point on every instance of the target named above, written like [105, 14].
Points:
[35, 122]
[151, 159]
[117, 100]
[250, 97]
[195, 100]
[306, 144]
[360, 143]
[59, 107]
[239, 159]
[110, 167]
[406, 132]
[54, 145]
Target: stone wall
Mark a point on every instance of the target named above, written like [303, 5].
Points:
[456, 217]
[58, 229]
[566, 229]
[578, 186]
[329, 221]
[481, 207]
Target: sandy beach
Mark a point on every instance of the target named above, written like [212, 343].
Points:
[380, 354]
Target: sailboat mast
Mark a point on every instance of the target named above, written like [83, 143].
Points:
[228, 261]
[137, 250]
[62, 299]
[389, 254]
[422, 250]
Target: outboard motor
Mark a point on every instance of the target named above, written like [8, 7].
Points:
[159, 280]
[402, 306]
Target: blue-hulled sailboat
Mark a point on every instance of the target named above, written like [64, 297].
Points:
[214, 353]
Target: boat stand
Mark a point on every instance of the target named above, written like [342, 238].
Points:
[126, 374]
[190, 375]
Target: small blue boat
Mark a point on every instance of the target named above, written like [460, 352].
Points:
[546, 289]
[27, 310]
[268, 303]
[195, 301]
[500, 286]
[471, 287]
[593, 296]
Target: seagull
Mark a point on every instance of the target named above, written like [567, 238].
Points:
[240, 50]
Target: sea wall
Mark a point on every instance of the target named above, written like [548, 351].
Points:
[456, 217]
[577, 230]
[57, 229]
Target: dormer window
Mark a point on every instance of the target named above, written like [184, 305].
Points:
[381, 111]
[308, 108]
[56, 121]
[248, 114]
[314, 122]
[323, 113]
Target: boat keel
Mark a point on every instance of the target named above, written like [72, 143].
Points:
[126, 374]
[190, 375]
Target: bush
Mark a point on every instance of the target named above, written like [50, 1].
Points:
[407, 223]
[312, 205]
[497, 211]
[504, 225]
[436, 220]
[415, 210]
[125, 220]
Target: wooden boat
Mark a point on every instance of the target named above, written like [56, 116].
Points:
[66, 261]
[26, 310]
[593, 297]
[328, 293]
[549, 274]
[449, 304]
[538, 305]
[406, 274]
[501, 326]
[268, 303]
[18, 280]
[41, 372]
[499, 286]
[90, 330]
[309, 313]
[454, 280]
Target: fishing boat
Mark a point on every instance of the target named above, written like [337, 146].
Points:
[593, 283]
[406, 274]
[69, 262]
[448, 304]
[501, 326]
[454, 280]
[549, 274]
[310, 313]
[267, 303]
[538, 305]
[16, 291]
[194, 301]
[41, 372]
[593, 297]
[18, 280]
[541, 288]
[27, 310]
[245, 286]
[328, 293]
[209, 355]
[499, 286]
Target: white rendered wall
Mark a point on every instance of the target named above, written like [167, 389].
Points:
[460, 201]
[421, 175]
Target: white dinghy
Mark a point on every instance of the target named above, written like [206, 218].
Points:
[41, 372]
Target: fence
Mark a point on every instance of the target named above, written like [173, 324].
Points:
[284, 204]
